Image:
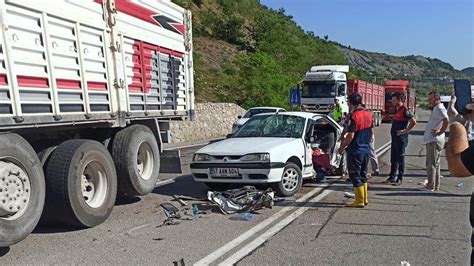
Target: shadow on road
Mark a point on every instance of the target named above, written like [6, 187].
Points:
[126, 200]
[422, 193]
[183, 186]
[54, 229]
[389, 225]
[4, 251]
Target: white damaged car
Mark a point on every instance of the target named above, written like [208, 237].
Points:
[272, 149]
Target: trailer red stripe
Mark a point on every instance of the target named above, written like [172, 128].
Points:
[3, 79]
[35, 82]
[97, 86]
[69, 84]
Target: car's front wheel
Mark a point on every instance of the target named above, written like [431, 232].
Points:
[291, 181]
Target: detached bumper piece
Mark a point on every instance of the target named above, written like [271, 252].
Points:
[246, 199]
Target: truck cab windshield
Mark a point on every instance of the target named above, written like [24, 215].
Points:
[319, 90]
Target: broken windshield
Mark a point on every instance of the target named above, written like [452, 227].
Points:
[276, 126]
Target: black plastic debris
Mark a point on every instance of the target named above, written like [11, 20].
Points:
[245, 199]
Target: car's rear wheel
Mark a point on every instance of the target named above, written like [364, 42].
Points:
[291, 181]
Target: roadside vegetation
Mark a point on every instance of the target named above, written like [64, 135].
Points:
[251, 55]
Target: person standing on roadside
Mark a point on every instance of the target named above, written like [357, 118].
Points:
[434, 139]
[357, 142]
[403, 122]
[337, 112]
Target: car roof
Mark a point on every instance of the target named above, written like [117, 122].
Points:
[300, 114]
[266, 107]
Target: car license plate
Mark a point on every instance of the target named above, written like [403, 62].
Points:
[224, 172]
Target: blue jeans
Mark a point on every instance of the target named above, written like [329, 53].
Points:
[397, 156]
[357, 165]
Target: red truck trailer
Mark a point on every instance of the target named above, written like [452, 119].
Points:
[392, 86]
[372, 97]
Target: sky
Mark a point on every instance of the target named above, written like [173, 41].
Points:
[442, 29]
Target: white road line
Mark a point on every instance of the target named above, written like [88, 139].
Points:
[250, 233]
[245, 236]
[383, 148]
[129, 232]
[243, 252]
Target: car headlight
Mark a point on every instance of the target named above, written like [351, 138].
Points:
[260, 157]
[199, 157]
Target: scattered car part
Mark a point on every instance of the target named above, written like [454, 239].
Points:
[245, 199]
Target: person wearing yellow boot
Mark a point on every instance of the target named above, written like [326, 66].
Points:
[357, 143]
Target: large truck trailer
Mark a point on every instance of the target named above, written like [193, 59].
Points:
[87, 90]
[402, 86]
[373, 96]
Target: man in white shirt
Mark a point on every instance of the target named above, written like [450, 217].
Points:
[434, 138]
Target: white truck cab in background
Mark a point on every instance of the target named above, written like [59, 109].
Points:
[322, 85]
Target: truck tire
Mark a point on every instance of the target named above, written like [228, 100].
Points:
[81, 184]
[291, 181]
[137, 159]
[21, 173]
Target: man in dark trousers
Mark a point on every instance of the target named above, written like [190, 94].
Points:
[357, 142]
[402, 123]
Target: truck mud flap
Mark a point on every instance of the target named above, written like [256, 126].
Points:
[170, 162]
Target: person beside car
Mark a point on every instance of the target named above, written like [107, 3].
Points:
[357, 143]
[337, 112]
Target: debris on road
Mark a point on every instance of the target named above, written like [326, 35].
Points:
[170, 210]
[349, 195]
[245, 199]
[158, 239]
[244, 216]
[404, 263]
[179, 200]
[460, 184]
[179, 262]
[195, 212]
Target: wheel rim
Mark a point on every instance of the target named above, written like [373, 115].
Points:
[145, 161]
[15, 190]
[94, 184]
[290, 179]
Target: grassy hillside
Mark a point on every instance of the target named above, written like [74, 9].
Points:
[251, 55]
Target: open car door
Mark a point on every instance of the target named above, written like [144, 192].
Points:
[327, 133]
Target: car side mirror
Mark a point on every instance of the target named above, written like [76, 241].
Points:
[238, 117]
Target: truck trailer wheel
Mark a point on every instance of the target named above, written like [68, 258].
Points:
[81, 184]
[22, 189]
[137, 159]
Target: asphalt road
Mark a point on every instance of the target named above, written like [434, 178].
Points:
[399, 224]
